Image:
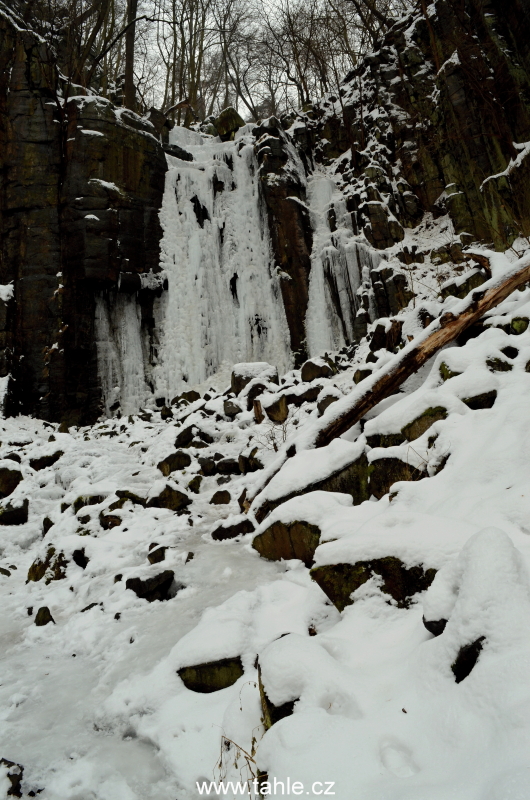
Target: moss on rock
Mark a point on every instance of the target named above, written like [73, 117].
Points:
[418, 426]
[387, 471]
[447, 373]
[351, 479]
[288, 540]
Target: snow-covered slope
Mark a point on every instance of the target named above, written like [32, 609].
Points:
[93, 705]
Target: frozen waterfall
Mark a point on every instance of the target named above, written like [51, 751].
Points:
[223, 303]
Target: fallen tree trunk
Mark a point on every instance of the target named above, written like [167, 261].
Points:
[440, 332]
[343, 414]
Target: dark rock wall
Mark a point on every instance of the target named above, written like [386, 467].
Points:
[81, 187]
[429, 118]
[282, 180]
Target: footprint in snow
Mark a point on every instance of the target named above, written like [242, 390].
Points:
[397, 758]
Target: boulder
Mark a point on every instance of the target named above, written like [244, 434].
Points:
[173, 462]
[222, 497]
[498, 365]
[230, 528]
[79, 558]
[435, 626]
[191, 397]
[386, 336]
[195, 484]
[338, 581]
[271, 713]
[155, 588]
[461, 286]
[177, 152]
[45, 461]
[227, 123]
[288, 540]
[166, 413]
[385, 439]
[446, 373]
[387, 471]
[245, 372]
[466, 659]
[328, 397]
[87, 500]
[208, 466]
[228, 466]
[510, 352]
[484, 400]
[14, 515]
[156, 553]
[212, 676]
[519, 325]
[351, 479]
[170, 498]
[185, 436]
[124, 495]
[231, 409]
[9, 480]
[43, 617]
[47, 523]
[278, 410]
[15, 773]
[257, 388]
[109, 521]
[315, 368]
[308, 395]
[53, 567]
[361, 374]
[248, 461]
[416, 428]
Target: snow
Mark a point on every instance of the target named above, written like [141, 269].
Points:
[524, 151]
[7, 291]
[105, 184]
[93, 706]
[311, 466]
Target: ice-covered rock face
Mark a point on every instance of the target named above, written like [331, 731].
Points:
[223, 303]
[255, 270]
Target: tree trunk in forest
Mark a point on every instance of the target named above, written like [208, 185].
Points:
[130, 90]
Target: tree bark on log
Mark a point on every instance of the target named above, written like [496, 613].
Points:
[345, 413]
[440, 332]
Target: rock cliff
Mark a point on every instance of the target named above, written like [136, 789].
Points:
[81, 188]
[434, 124]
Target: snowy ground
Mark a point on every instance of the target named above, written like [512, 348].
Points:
[92, 706]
